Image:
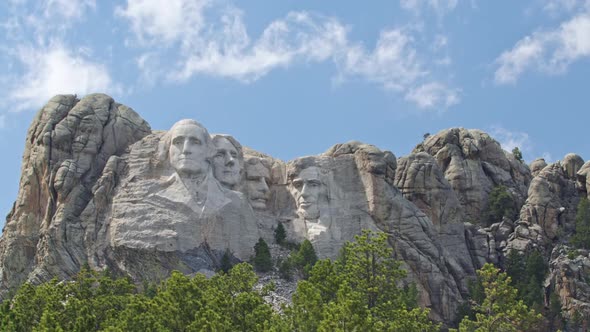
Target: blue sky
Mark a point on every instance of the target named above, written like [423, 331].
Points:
[291, 78]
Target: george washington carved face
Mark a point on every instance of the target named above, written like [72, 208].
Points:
[189, 148]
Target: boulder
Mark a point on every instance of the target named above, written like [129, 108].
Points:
[537, 166]
[474, 163]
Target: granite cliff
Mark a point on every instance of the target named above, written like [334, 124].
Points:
[100, 188]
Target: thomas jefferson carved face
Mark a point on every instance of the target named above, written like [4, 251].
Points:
[307, 187]
[257, 180]
[226, 163]
[189, 148]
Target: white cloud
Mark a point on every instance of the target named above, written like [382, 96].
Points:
[155, 21]
[511, 139]
[556, 7]
[393, 63]
[549, 51]
[441, 7]
[67, 9]
[298, 37]
[56, 70]
[433, 95]
[209, 37]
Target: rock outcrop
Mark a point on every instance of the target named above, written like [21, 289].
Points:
[553, 197]
[99, 187]
[474, 163]
[568, 278]
[67, 148]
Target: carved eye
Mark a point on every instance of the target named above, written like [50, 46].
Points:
[234, 154]
[194, 140]
[314, 183]
[177, 141]
[298, 184]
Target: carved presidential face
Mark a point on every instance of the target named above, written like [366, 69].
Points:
[226, 163]
[188, 149]
[307, 188]
[257, 180]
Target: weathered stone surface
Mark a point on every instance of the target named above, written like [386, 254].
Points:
[583, 179]
[99, 187]
[568, 278]
[571, 164]
[537, 166]
[474, 163]
[552, 201]
[422, 182]
[67, 147]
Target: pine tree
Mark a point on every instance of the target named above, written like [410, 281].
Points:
[501, 309]
[358, 292]
[262, 259]
[225, 265]
[581, 238]
[280, 234]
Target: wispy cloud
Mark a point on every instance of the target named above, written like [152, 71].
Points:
[434, 94]
[56, 70]
[44, 64]
[440, 7]
[511, 139]
[215, 42]
[549, 51]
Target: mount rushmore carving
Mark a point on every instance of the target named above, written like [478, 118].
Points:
[99, 187]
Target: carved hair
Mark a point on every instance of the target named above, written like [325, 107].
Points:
[217, 137]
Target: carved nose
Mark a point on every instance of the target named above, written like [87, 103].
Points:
[230, 160]
[185, 148]
[263, 186]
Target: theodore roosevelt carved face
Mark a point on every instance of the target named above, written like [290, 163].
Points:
[257, 182]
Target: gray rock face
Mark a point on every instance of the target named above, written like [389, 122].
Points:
[568, 279]
[571, 164]
[473, 163]
[99, 187]
[67, 148]
[552, 201]
[422, 182]
[537, 166]
[583, 179]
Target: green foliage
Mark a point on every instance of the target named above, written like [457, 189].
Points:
[500, 310]
[517, 154]
[280, 234]
[262, 260]
[555, 316]
[88, 303]
[358, 292]
[300, 262]
[581, 238]
[527, 274]
[500, 204]
[225, 302]
[225, 265]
